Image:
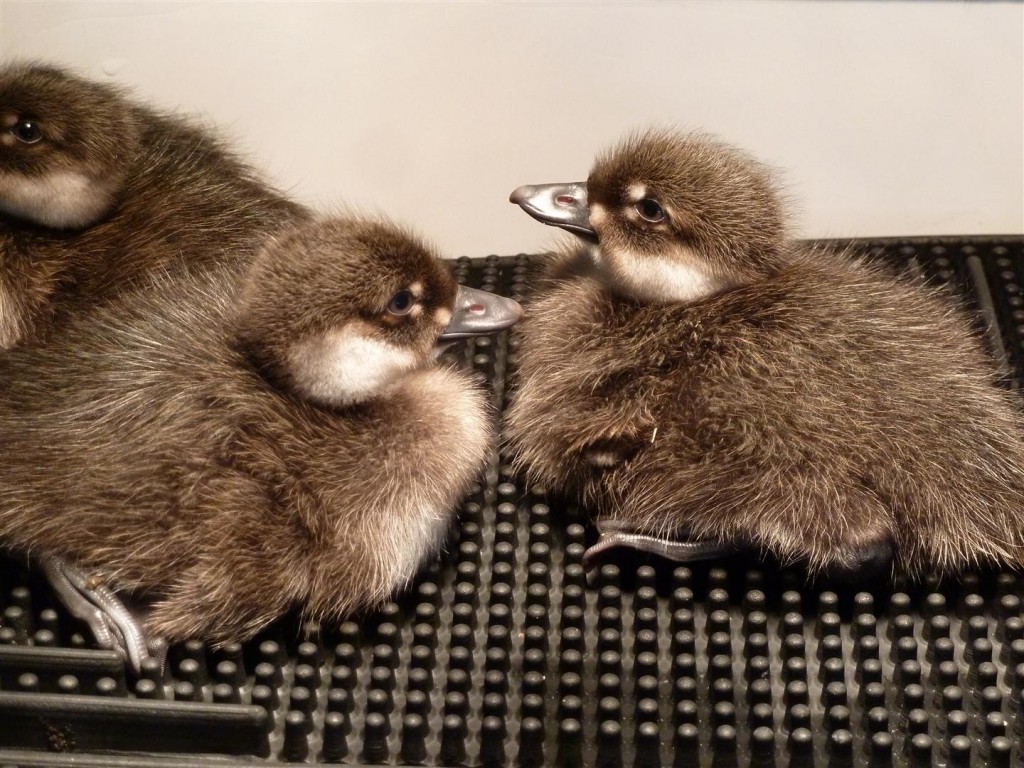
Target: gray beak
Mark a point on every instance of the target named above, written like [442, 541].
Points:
[479, 312]
[560, 205]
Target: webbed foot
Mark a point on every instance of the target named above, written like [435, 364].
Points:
[112, 623]
[617, 533]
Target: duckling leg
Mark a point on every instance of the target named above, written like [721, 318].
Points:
[616, 533]
[113, 625]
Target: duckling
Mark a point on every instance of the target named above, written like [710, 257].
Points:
[235, 442]
[708, 385]
[97, 191]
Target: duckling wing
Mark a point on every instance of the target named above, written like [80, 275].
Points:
[93, 425]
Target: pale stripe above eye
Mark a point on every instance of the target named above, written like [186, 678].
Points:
[636, 192]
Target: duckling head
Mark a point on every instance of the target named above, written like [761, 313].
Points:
[339, 310]
[66, 145]
[670, 217]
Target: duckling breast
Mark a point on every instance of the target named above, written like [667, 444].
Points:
[432, 440]
[389, 488]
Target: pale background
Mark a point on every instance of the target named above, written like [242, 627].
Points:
[886, 118]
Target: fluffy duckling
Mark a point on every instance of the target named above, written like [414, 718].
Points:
[708, 385]
[236, 447]
[97, 191]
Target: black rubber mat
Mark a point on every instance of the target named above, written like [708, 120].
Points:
[505, 652]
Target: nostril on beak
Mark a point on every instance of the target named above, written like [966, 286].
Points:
[565, 200]
[476, 309]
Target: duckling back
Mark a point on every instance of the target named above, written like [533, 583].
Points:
[839, 408]
[94, 422]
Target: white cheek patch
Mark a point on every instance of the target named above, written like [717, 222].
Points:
[675, 277]
[345, 366]
[598, 214]
[62, 199]
[442, 317]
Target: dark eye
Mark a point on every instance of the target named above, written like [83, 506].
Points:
[649, 210]
[27, 131]
[401, 303]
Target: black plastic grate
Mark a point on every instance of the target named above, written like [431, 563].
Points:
[506, 653]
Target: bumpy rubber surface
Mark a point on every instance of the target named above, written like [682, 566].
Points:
[505, 652]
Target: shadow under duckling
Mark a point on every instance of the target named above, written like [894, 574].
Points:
[97, 191]
[708, 385]
[238, 443]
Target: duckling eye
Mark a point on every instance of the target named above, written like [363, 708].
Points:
[401, 303]
[650, 210]
[27, 131]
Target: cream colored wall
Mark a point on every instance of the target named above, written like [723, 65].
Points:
[887, 118]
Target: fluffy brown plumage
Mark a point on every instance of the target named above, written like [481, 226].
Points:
[167, 444]
[97, 191]
[695, 375]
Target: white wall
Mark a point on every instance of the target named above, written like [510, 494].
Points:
[887, 118]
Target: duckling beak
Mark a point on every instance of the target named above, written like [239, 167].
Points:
[560, 205]
[478, 312]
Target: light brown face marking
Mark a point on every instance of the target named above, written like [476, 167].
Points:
[442, 316]
[10, 120]
[636, 192]
[417, 290]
